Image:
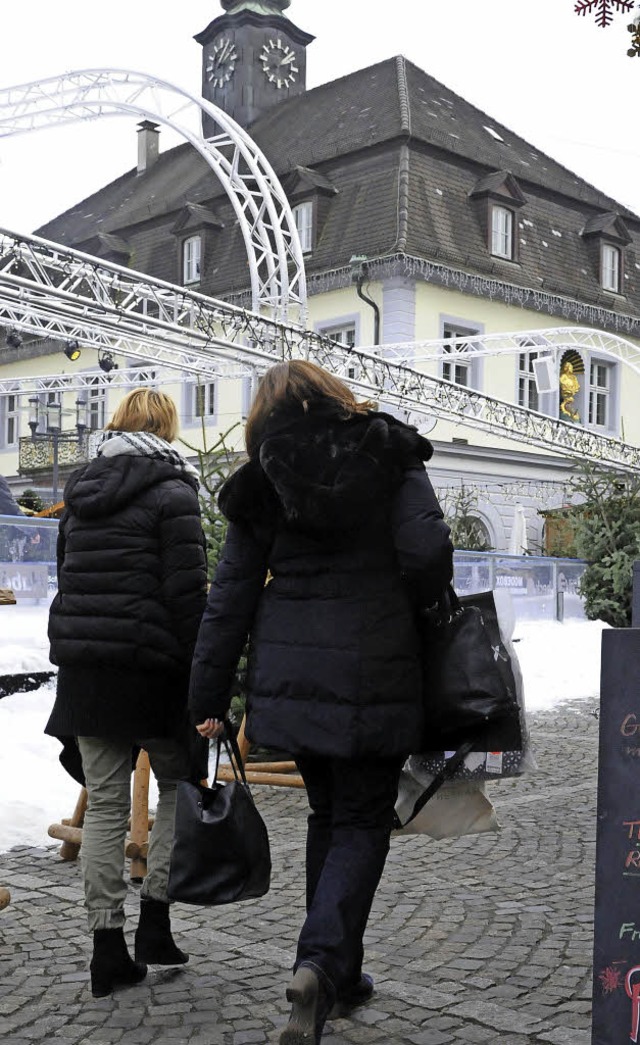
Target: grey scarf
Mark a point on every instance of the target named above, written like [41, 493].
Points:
[143, 444]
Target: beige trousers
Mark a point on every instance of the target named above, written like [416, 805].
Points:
[107, 768]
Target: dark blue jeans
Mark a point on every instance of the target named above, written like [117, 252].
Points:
[347, 844]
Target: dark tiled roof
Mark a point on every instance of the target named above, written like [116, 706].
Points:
[404, 154]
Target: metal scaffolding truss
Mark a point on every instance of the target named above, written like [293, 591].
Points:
[553, 341]
[53, 291]
[95, 380]
[271, 239]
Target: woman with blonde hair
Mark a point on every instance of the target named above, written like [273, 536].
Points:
[131, 589]
[335, 502]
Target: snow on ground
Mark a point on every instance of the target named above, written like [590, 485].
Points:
[559, 662]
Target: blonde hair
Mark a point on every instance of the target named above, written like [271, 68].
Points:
[298, 381]
[146, 410]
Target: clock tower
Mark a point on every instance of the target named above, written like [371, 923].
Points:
[253, 57]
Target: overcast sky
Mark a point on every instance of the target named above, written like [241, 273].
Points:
[554, 78]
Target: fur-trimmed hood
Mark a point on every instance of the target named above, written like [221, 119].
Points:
[320, 470]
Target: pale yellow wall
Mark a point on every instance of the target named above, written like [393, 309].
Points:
[499, 377]
[432, 303]
[228, 413]
[499, 374]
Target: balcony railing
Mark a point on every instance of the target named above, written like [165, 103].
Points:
[37, 455]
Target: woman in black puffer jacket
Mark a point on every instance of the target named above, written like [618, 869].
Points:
[131, 591]
[334, 502]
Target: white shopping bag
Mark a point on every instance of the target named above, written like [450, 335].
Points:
[459, 807]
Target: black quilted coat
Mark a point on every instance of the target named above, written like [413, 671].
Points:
[342, 515]
[132, 588]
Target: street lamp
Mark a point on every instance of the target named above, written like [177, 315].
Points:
[53, 432]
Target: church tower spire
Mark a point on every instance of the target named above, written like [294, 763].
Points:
[253, 57]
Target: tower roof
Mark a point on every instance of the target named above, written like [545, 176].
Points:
[261, 7]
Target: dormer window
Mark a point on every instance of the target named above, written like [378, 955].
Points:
[605, 237]
[303, 216]
[610, 267]
[496, 199]
[191, 259]
[502, 224]
[196, 230]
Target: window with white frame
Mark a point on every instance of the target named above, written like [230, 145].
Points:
[457, 369]
[191, 259]
[10, 421]
[527, 387]
[303, 216]
[611, 267]
[204, 399]
[344, 335]
[96, 397]
[600, 397]
[502, 232]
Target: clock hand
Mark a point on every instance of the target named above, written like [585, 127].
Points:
[289, 58]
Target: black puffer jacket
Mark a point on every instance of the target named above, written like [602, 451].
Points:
[132, 588]
[343, 515]
[8, 503]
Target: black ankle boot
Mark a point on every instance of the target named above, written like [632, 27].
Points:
[154, 942]
[111, 965]
[311, 1002]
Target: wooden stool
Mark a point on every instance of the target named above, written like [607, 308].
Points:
[280, 774]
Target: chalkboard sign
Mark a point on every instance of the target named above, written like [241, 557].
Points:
[616, 966]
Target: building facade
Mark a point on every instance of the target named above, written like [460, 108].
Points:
[420, 218]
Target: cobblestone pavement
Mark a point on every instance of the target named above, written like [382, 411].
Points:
[486, 938]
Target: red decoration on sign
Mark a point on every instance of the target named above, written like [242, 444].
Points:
[611, 979]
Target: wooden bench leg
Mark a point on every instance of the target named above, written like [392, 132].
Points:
[140, 816]
[70, 848]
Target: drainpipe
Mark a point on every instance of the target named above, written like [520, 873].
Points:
[358, 275]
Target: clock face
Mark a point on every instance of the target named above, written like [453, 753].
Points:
[221, 62]
[279, 63]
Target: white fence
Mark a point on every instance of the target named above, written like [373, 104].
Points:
[542, 588]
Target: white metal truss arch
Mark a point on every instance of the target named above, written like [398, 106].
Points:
[55, 292]
[552, 341]
[276, 264]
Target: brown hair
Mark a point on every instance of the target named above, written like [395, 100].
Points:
[297, 381]
[145, 410]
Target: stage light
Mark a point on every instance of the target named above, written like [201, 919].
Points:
[106, 362]
[72, 350]
[13, 339]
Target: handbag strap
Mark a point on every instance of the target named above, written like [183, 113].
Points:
[445, 773]
[230, 742]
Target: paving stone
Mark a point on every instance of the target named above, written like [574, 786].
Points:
[470, 939]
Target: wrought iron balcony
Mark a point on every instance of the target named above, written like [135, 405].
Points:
[38, 455]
